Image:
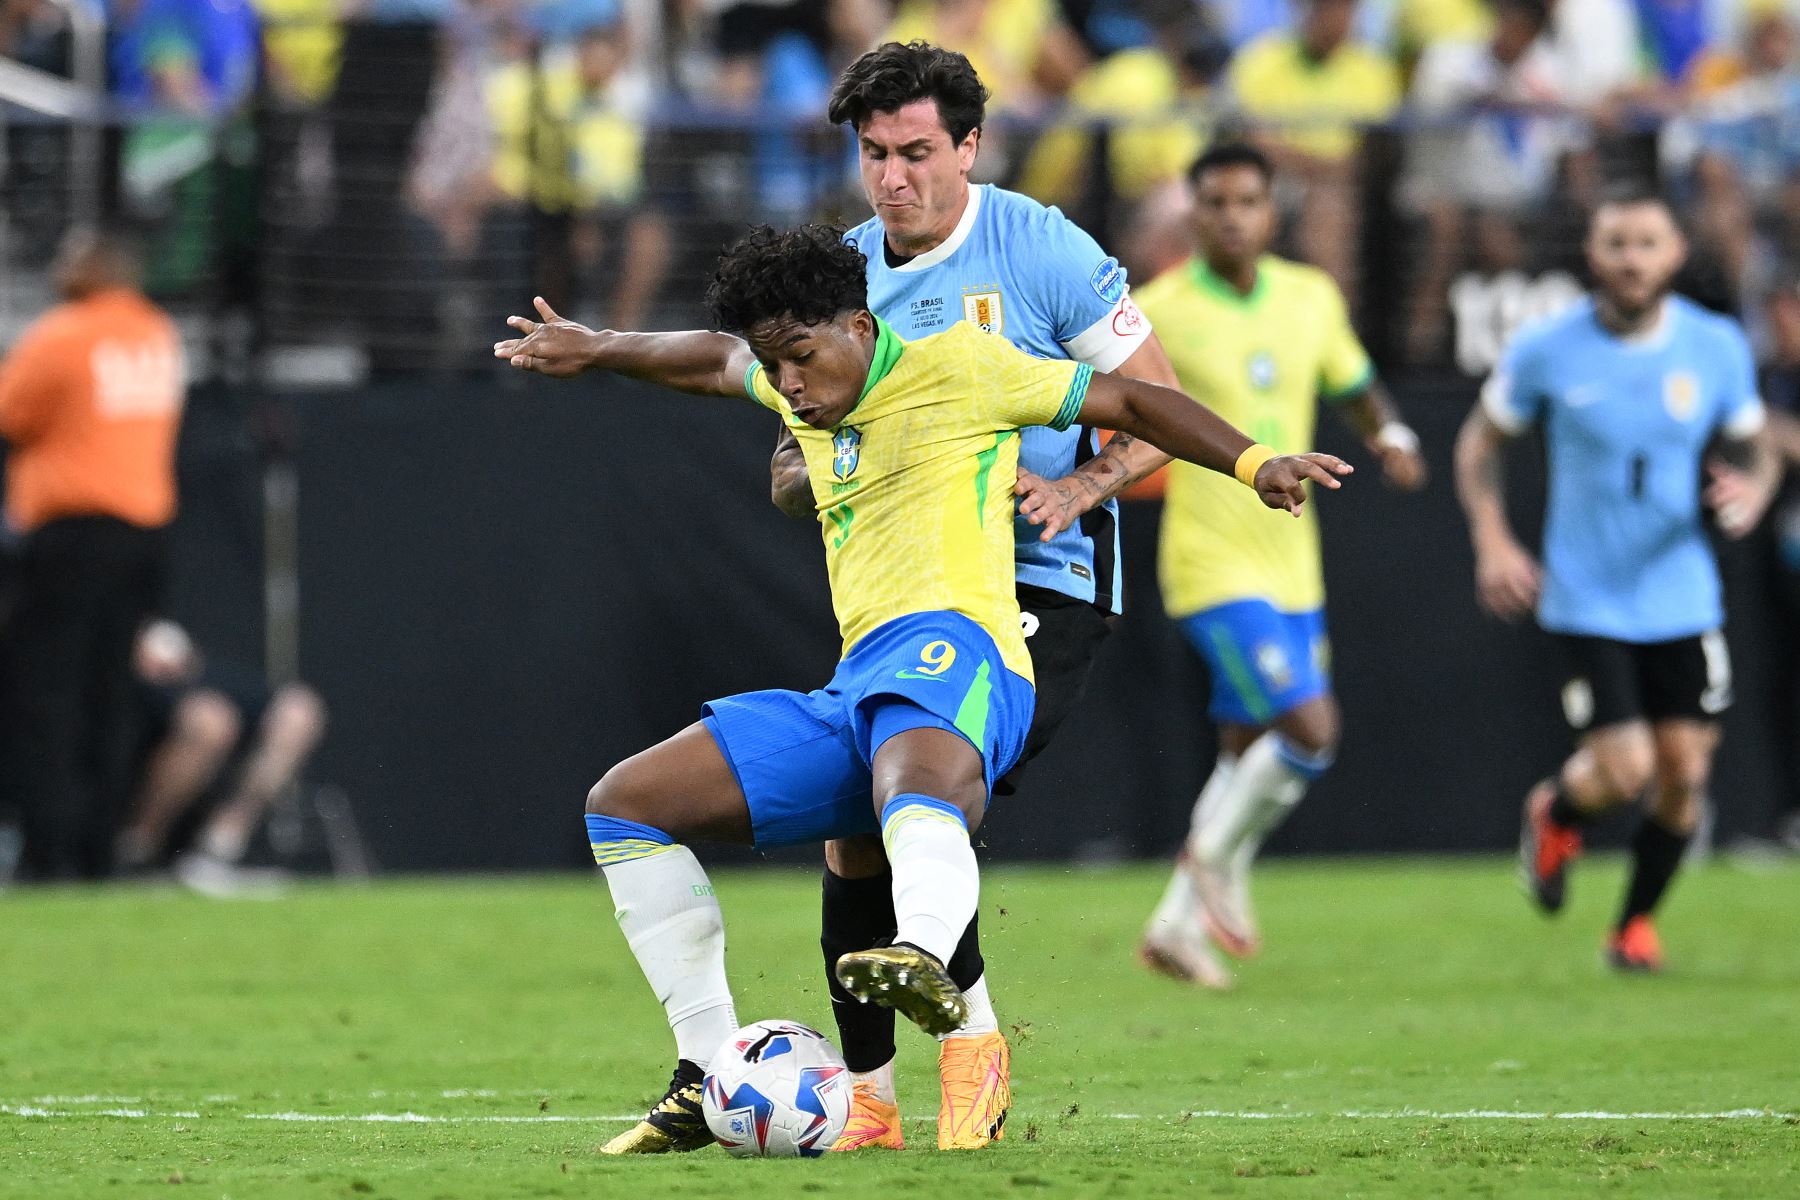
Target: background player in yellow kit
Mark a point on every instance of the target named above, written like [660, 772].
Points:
[1262, 340]
[912, 451]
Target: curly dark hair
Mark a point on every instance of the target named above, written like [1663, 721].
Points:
[892, 76]
[808, 273]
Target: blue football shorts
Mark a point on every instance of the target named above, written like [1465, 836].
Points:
[802, 758]
[1264, 662]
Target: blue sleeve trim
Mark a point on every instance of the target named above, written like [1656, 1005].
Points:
[1074, 398]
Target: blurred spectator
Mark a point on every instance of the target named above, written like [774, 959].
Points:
[218, 750]
[90, 401]
[36, 33]
[302, 42]
[194, 57]
[384, 83]
[1155, 99]
[1781, 391]
[1022, 50]
[1596, 47]
[1242, 22]
[1742, 142]
[185, 68]
[1421, 24]
[1764, 46]
[1315, 87]
[529, 166]
[1494, 135]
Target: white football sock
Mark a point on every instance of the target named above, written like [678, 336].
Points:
[1177, 914]
[666, 908]
[1268, 781]
[981, 1013]
[1206, 805]
[936, 881]
[883, 1079]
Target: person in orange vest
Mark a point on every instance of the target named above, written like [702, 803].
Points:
[90, 406]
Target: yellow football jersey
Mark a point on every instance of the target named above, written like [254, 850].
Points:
[1262, 362]
[914, 488]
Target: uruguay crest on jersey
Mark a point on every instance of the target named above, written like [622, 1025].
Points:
[985, 311]
[846, 452]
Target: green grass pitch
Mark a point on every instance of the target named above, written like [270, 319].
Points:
[1404, 1019]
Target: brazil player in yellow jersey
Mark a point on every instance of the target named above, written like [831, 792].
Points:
[1264, 340]
[912, 449]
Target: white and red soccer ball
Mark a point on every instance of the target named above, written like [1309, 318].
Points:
[777, 1089]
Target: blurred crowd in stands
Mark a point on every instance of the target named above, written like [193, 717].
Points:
[597, 150]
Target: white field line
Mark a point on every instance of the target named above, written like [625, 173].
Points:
[1216, 1114]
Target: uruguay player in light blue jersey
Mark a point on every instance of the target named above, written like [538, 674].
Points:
[1640, 394]
[942, 250]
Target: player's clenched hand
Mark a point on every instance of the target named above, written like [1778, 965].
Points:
[552, 346]
[1056, 504]
[1281, 482]
[1737, 498]
[1507, 579]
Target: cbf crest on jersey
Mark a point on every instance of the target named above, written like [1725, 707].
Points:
[1262, 370]
[985, 311]
[1681, 394]
[846, 452]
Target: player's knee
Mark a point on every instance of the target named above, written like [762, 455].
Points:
[1626, 769]
[856, 857]
[1313, 730]
[208, 720]
[297, 715]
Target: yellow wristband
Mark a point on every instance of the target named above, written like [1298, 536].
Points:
[1250, 462]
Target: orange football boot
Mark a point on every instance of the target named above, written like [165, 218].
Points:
[976, 1074]
[1546, 849]
[874, 1123]
[1635, 947]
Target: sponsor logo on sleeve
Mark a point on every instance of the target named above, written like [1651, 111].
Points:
[1108, 281]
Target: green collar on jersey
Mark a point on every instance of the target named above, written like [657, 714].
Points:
[1209, 281]
[888, 349]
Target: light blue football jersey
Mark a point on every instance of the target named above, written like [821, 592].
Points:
[1031, 275]
[1627, 422]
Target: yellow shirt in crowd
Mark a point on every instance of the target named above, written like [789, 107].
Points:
[1276, 81]
[586, 154]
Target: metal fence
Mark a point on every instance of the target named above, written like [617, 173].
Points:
[388, 224]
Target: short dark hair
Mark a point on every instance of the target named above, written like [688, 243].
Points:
[1536, 11]
[892, 76]
[808, 273]
[1629, 193]
[1232, 154]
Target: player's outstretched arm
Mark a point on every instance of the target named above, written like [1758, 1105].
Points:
[790, 487]
[1189, 430]
[701, 362]
[1507, 578]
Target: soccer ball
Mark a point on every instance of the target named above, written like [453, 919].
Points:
[777, 1089]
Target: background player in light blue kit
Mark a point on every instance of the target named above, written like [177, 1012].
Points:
[1633, 389]
[942, 251]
